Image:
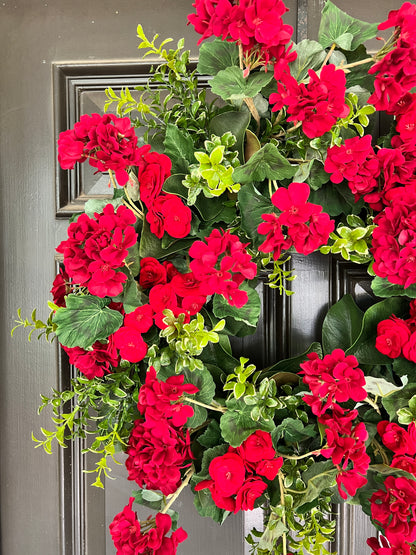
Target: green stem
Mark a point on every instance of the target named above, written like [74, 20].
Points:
[354, 64]
[372, 404]
[298, 457]
[218, 408]
[174, 496]
[132, 206]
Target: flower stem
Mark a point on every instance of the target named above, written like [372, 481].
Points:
[354, 64]
[282, 502]
[112, 178]
[132, 205]
[372, 404]
[298, 457]
[172, 498]
[218, 408]
[329, 54]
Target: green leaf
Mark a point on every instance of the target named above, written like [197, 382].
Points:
[399, 399]
[292, 364]
[336, 199]
[342, 325]
[318, 477]
[252, 205]
[359, 75]
[383, 288]
[173, 185]
[230, 84]
[266, 163]
[310, 55]
[179, 146]
[151, 499]
[85, 320]
[342, 29]
[404, 367]
[235, 122]
[217, 55]
[249, 313]
[237, 425]
[364, 347]
[212, 435]
[203, 380]
[292, 431]
[317, 175]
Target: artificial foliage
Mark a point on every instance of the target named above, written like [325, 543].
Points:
[221, 188]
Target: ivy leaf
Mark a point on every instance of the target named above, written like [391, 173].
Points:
[342, 29]
[85, 320]
[230, 84]
[310, 55]
[212, 435]
[249, 313]
[266, 163]
[179, 146]
[217, 55]
[342, 325]
[364, 347]
[292, 431]
[383, 288]
[318, 477]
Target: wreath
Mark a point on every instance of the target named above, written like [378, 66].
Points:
[275, 156]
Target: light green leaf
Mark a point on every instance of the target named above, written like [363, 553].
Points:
[230, 84]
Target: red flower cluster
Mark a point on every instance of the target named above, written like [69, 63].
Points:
[397, 439]
[370, 174]
[301, 224]
[96, 362]
[256, 25]
[129, 539]
[235, 477]
[97, 247]
[396, 546]
[221, 263]
[169, 289]
[159, 447]
[166, 212]
[396, 73]
[317, 104]
[108, 142]
[336, 379]
[397, 337]
[394, 238]
[394, 509]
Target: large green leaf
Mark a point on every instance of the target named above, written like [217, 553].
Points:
[249, 313]
[336, 199]
[383, 288]
[173, 185]
[252, 205]
[342, 325]
[96, 205]
[217, 55]
[310, 55]
[179, 146]
[212, 435]
[85, 320]
[266, 163]
[342, 29]
[364, 347]
[203, 380]
[230, 84]
[293, 431]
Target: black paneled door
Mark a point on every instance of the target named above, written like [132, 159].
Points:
[57, 58]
